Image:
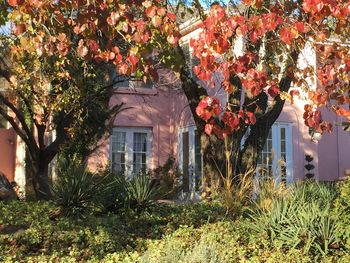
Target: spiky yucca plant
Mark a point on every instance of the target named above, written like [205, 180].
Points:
[75, 188]
[141, 192]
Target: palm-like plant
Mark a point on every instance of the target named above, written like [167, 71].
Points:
[141, 192]
[75, 188]
[301, 219]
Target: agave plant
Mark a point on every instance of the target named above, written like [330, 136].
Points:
[141, 192]
[75, 188]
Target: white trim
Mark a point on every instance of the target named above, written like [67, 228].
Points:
[276, 149]
[129, 142]
[191, 129]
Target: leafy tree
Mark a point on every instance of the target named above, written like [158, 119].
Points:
[52, 63]
[258, 79]
[3, 12]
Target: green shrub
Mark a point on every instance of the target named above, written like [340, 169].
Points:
[301, 220]
[169, 176]
[112, 195]
[75, 188]
[342, 211]
[141, 192]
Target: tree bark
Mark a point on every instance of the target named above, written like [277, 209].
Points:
[41, 181]
[212, 148]
[260, 131]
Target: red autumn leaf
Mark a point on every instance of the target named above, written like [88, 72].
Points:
[20, 29]
[63, 48]
[118, 59]
[300, 27]
[251, 117]
[123, 69]
[151, 11]
[172, 40]
[113, 18]
[161, 11]
[62, 37]
[133, 60]
[93, 45]
[111, 56]
[208, 128]
[342, 112]
[172, 16]
[12, 3]
[273, 91]
[35, 3]
[286, 35]
[203, 113]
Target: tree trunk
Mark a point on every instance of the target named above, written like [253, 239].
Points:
[40, 176]
[41, 182]
[212, 148]
[260, 130]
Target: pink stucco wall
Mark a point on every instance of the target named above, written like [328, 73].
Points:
[334, 150]
[145, 108]
[7, 152]
[166, 109]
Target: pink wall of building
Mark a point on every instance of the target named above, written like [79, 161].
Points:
[145, 108]
[7, 152]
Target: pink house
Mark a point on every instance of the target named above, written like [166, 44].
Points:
[159, 125]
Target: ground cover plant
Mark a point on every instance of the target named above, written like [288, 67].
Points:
[303, 223]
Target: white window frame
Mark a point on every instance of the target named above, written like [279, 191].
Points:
[190, 63]
[192, 157]
[131, 84]
[276, 148]
[129, 145]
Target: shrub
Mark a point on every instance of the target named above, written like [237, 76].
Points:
[112, 195]
[265, 192]
[301, 220]
[141, 192]
[342, 211]
[169, 178]
[75, 188]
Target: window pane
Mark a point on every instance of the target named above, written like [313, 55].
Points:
[265, 158]
[140, 152]
[140, 142]
[270, 135]
[118, 162]
[198, 161]
[139, 164]
[118, 151]
[136, 84]
[283, 146]
[283, 133]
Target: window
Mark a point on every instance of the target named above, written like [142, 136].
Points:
[190, 59]
[123, 81]
[275, 160]
[139, 152]
[190, 159]
[118, 151]
[130, 150]
[197, 160]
